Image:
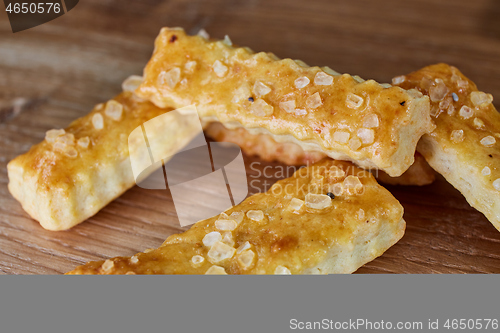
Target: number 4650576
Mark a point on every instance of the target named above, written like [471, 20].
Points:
[33, 8]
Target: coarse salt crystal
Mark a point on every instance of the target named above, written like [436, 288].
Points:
[323, 79]
[478, 123]
[488, 141]
[241, 94]
[227, 238]
[197, 259]
[353, 184]
[53, 134]
[108, 265]
[288, 106]
[318, 201]
[496, 184]
[226, 225]
[203, 34]
[255, 215]
[220, 251]
[216, 270]
[170, 78]
[486, 171]
[113, 110]
[354, 143]
[296, 204]
[134, 260]
[478, 97]
[301, 82]
[227, 41]
[223, 216]
[243, 247]
[354, 101]
[282, 270]
[371, 121]
[219, 68]
[314, 101]
[98, 121]
[438, 91]
[337, 189]
[261, 108]
[71, 152]
[260, 89]
[237, 216]
[132, 83]
[84, 142]
[398, 80]
[245, 259]
[466, 112]
[211, 238]
[457, 136]
[454, 96]
[190, 66]
[341, 136]
[366, 135]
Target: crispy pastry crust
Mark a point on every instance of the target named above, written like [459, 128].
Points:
[355, 229]
[61, 191]
[454, 148]
[289, 100]
[266, 148]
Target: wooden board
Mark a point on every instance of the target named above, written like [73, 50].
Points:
[55, 73]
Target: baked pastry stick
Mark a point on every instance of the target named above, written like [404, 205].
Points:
[75, 172]
[347, 118]
[294, 228]
[463, 147]
[267, 149]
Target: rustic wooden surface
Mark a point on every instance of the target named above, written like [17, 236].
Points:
[56, 72]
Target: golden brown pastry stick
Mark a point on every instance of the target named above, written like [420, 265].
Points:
[293, 228]
[75, 172]
[266, 148]
[347, 118]
[463, 147]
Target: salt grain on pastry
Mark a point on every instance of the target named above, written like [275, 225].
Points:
[245, 260]
[466, 112]
[366, 135]
[301, 82]
[216, 270]
[255, 215]
[220, 251]
[341, 136]
[318, 201]
[488, 141]
[260, 89]
[323, 79]
[170, 78]
[132, 83]
[288, 106]
[261, 108]
[457, 136]
[243, 247]
[211, 238]
[314, 101]
[478, 98]
[113, 110]
[354, 101]
[282, 270]
[97, 121]
[219, 68]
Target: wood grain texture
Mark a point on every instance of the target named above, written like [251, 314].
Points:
[56, 72]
